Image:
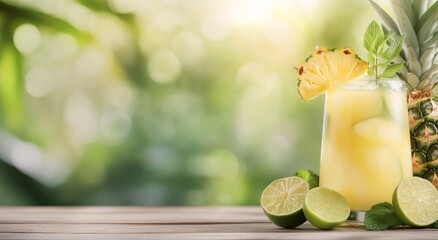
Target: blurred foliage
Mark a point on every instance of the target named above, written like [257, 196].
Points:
[160, 102]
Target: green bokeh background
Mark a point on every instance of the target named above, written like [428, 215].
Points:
[160, 102]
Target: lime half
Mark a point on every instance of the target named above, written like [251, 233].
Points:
[325, 208]
[415, 202]
[282, 201]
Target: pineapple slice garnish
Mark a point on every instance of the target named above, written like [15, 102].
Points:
[326, 68]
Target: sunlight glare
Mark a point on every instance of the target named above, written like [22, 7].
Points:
[214, 27]
[39, 82]
[27, 38]
[251, 12]
[164, 66]
[115, 125]
[81, 116]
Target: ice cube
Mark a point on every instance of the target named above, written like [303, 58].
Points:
[379, 129]
[396, 105]
[354, 105]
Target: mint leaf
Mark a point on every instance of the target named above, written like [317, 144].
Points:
[382, 50]
[371, 58]
[435, 225]
[381, 217]
[309, 176]
[391, 70]
[372, 33]
[394, 49]
[371, 70]
[380, 43]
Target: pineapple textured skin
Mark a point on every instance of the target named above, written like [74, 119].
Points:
[423, 115]
[418, 20]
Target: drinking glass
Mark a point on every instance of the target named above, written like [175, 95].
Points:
[365, 148]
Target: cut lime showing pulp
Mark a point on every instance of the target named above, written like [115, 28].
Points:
[282, 201]
[415, 202]
[325, 208]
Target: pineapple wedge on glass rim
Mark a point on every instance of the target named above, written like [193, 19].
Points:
[418, 19]
[326, 68]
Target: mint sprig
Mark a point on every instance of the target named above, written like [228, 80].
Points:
[382, 50]
[381, 217]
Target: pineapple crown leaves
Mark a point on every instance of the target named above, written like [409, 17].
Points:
[418, 20]
[382, 51]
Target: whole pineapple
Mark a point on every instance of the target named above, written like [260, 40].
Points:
[418, 19]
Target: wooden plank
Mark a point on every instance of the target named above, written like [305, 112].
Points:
[213, 236]
[351, 227]
[131, 214]
[24, 223]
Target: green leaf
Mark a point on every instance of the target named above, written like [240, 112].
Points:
[382, 64]
[387, 20]
[380, 43]
[430, 43]
[429, 73]
[427, 15]
[413, 80]
[435, 225]
[394, 49]
[406, 27]
[101, 6]
[385, 29]
[427, 25]
[309, 176]
[381, 217]
[391, 70]
[104, 6]
[426, 59]
[372, 33]
[371, 58]
[407, 8]
[382, 51]
[11, 86]
[371, 71]
[414, 66]
[429, 78]
[418, 8]
[403, 70]
[42, 19]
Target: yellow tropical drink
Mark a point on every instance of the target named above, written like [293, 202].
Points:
[366, 145]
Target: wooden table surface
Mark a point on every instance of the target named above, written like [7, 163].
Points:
[172, 223]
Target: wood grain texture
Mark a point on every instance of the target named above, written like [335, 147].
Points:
[172, 223]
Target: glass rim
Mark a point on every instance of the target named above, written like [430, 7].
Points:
[392, 79]
[370, 84]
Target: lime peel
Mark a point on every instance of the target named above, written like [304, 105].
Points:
[325, 208]
[415, 202]
[282, 201]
